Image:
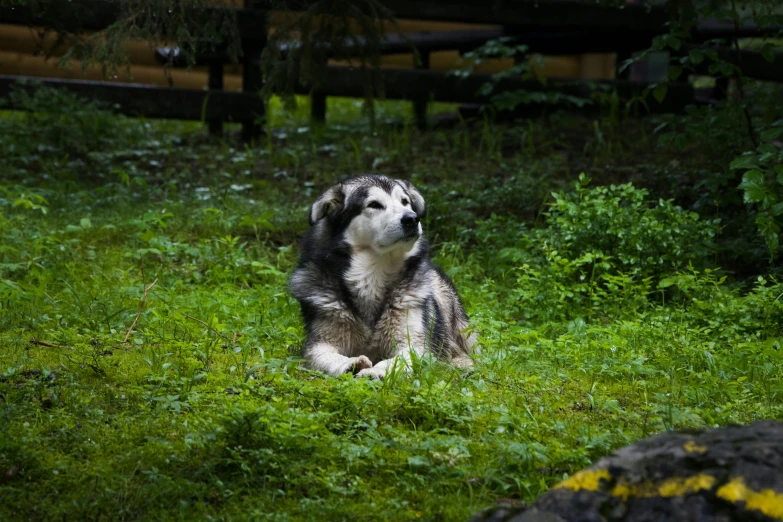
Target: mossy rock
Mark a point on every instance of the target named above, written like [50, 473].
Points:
[722, 475]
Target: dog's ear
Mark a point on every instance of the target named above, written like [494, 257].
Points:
[417, 200]
[329, 204]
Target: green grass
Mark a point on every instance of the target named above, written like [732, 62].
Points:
[592, 338]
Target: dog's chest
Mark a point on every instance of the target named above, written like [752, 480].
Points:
[371, 279]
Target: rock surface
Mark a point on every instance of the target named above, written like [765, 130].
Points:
[727, 474]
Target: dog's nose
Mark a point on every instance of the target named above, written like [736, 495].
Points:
[409, 220]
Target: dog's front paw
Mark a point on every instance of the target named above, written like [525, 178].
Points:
[360, 364]
[372, 373]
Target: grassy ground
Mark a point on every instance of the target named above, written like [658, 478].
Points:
[605, 315]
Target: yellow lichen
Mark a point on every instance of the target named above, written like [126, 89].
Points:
[676, 487]
[672, 487]
[767, 501]
[692, 447]
[589, 479]
[623, 491]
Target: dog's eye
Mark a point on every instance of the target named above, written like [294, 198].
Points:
[405, 201]
[375, 204]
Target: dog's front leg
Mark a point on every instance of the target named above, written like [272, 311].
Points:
[326, 358]
[399, 362]
[402, 334]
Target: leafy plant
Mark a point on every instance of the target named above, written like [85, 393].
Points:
[721, 60]
[527, 67]
[621, 226]
[762, 184]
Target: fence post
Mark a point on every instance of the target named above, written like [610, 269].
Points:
[318, 107]
[420, 104]
[216, 84]
[252, 80]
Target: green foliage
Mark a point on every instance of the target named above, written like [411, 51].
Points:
[762, 184]
[527, 67]
[686, 15]
[298, 51]
[758, 184]
[618, 225]
[604, 251]
[206, 412]
[51, 122]
[196, 25]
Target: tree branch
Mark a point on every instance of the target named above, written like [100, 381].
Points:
[141, 307]
[48, 345]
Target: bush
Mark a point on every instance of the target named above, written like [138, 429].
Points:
[605, 252]
[621, 226]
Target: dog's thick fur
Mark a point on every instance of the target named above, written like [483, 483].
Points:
[369, 293]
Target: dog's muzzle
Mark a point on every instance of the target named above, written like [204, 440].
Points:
[410, 225]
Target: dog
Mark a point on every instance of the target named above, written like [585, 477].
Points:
[371, 299]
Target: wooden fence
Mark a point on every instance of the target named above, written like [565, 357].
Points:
[549, 27]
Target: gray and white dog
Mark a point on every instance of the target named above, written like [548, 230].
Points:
[370, 295]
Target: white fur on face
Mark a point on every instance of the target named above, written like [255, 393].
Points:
[379, 226]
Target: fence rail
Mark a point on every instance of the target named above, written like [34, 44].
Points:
[550, 27]
[135, 99]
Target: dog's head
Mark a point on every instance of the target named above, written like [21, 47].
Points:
[372, 212]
